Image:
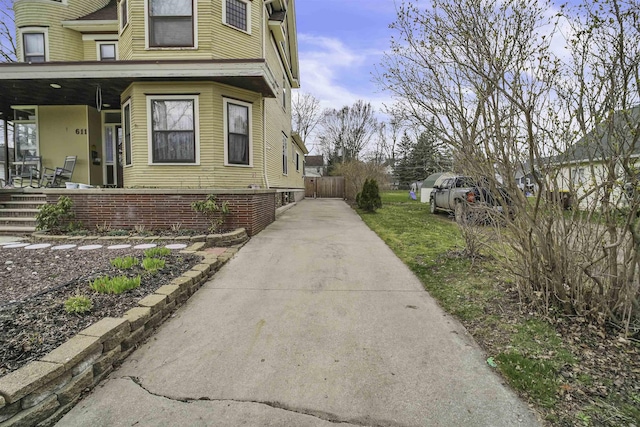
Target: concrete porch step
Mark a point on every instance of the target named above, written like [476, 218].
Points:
[29, 197]
[30, 204]
[7, 230]
[18, 212]
[18, 221]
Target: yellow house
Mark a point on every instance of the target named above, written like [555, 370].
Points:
[157, 93]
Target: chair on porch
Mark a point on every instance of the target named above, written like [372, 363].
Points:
[55, 177]
[28, 169]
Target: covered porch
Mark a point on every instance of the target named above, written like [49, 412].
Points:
[58, 109]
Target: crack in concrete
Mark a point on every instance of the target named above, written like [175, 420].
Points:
[321, 415]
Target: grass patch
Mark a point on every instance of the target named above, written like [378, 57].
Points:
[156, 252]
[114, 285]
[78, 305]
[397, 196]
[153, 264]
[124, 263]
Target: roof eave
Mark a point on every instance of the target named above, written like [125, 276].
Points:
[86, 26]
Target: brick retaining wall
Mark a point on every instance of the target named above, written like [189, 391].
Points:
[159, 209]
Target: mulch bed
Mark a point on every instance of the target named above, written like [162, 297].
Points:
[35, 283]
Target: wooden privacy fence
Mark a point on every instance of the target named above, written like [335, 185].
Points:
[325, 187]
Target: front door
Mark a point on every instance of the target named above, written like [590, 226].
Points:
[113, 155]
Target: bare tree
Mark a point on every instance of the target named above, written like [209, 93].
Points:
[346, 132]
[306, 114]
[8, 49]
[486, 72]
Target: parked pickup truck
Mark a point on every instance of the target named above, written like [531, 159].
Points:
[461, 194]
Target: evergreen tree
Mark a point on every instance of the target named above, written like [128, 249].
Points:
[369, 198]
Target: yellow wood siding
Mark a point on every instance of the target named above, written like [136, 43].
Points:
[214, 39]
[63, 131]
[90, 52]
[278, 122]
[211, 173]
[64, 44]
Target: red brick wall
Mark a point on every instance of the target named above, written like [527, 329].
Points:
[154, 211]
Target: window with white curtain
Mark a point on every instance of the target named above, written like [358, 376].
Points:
[171, 23]
[34, 47]
[173, 129]
[238, 135]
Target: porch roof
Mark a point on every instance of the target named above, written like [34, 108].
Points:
[30, 83]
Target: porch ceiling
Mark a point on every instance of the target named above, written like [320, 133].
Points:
[30, 84]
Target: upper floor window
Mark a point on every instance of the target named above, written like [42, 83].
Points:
[237, 14]
[34, 46]
[107, 51]
[173, 128]
[124, 14]
[171, 23]
[237, 133]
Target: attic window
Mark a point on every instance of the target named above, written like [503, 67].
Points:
[237, 14]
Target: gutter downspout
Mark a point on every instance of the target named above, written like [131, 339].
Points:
[264, 112]
[264, 144]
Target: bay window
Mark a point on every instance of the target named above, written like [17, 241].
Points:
[237, 133]
[173, 129]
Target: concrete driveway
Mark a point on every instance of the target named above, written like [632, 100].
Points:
[315, 322]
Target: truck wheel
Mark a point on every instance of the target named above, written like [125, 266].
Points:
[432, 205]
[461, 213]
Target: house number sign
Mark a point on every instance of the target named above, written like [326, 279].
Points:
[81, 131]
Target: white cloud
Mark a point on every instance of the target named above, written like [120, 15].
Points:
[337, 74]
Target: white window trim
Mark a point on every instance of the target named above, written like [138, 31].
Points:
[34, 30]
[124, 135]
[35, 121]
[196, 128]
[297, 161]
[120, 26]
[195, 30]
[225, 102]
[98, 44]
[224, 16]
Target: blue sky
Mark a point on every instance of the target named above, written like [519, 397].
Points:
[340, 42]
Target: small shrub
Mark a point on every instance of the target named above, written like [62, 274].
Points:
[103, 228]
[156, 252]
[119, 232]
[369, 198]
[114, 285]
[153, 264]
[214, 211]
[78, 305]
[55, 217]
[124, 263]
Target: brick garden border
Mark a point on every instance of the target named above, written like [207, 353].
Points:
[41, 392]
